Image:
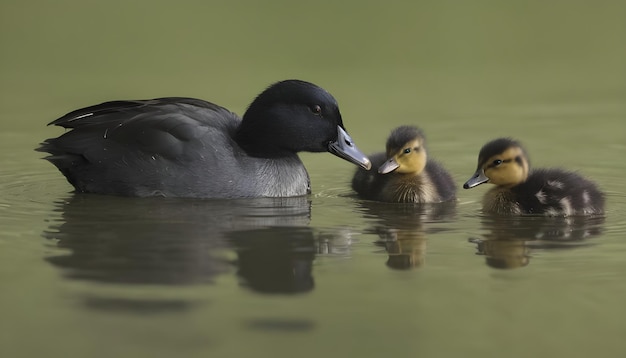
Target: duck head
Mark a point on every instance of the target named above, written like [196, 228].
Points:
[502, 162]
[292, 116]
[406, 151]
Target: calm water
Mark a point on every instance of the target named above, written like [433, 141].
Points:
[325, 275]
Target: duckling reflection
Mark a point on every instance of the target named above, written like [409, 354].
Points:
[335, 241]
[406, 248]
[158, 240]
[509, 241]
[403, 228]
[275, 259]
[503, 254]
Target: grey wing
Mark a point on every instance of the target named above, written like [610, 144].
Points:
[164, 127]
[131, 142]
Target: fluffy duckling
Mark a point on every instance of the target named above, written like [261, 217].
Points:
[405, 174]
[518, 191]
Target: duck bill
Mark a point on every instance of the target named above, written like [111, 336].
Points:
[478, 178]
[344, 148]
[388, 166]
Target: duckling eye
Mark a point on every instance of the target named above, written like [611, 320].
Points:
[407, 151]
[316, 109]
[497, 162]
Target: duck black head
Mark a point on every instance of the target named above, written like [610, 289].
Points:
[292, 116]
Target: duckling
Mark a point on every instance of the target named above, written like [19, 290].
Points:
[519, 191]
[405, 173]
[186, 147]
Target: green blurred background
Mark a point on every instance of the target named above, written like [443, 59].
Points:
[384, 62]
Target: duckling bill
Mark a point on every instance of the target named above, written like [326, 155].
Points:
[520, 190]
[186, 147]
[405, 173]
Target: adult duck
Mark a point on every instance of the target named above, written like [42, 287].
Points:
[186, 147]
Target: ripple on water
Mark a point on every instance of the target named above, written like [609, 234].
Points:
[25, 193]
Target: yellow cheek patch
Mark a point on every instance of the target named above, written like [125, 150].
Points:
[509, 172]
[413, 161]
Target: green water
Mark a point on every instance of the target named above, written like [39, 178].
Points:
[326, 275]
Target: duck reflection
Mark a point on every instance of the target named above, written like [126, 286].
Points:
[159, 240]
[402, 229]
[275, 259]
[509, 240]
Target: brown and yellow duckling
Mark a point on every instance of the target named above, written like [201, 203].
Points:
[405, 174]
[519, 191]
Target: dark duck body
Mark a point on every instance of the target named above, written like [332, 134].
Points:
[522, 191]
[186, 147]
[405, 173]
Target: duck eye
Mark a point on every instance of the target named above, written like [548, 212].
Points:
[316, 109]
[497, 162]
[407, 151]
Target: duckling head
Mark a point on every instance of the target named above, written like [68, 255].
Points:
[502, 162]
[406, 151]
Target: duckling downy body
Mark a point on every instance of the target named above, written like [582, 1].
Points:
[405, 174]
[185, 147]
[519, 190]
